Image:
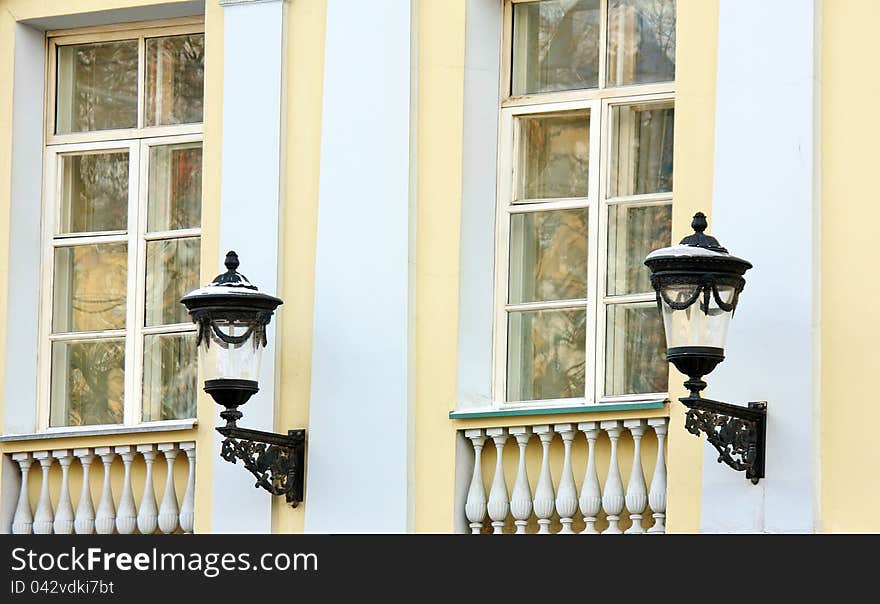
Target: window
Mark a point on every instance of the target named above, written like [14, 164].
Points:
[122, 220]
[585, 192]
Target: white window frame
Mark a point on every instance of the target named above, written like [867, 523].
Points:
[599, 101]
[137, 142]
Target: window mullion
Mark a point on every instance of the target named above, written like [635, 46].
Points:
[132, 394]
[603, 42]
[596, 310]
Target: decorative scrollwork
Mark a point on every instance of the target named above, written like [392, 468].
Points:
[277, 467]
[736, 439]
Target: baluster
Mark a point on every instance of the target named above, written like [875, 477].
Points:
[148, 512]
[84, 522]
[126, 514]
[544, 498]
[187, 508]
[613, 498]
[499, 503]
[44, 517]
[591, 495]
[475, 506]
[566, 494]
[105, 519]
[64, 514]
[521, 501]
[23, 521]
[169, 513]
[657, 494]
[636, 491]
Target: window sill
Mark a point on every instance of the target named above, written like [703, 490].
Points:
[495, 412]
[170, 426]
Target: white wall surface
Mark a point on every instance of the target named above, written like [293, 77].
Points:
[765, 209]
[253, 86]
[22, 320]
[359, 459]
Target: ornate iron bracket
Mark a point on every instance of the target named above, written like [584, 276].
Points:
[276, 461]
[738, 433]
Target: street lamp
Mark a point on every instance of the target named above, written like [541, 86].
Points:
[698, 284]
[232, 316]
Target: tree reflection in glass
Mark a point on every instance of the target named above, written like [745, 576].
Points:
[555, 46]
[97, 87]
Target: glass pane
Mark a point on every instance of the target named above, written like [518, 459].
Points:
[89, 288]
[554, 155]
[169, 376]
[172, 272]
[97, 86]
[555, 46]
[175, 195]
[548, 256]
[641, 155]
[635, 350]
[633, 233]
[175, 80]
[546, 354]
[88, 382]
[641, 41]
[94, 192]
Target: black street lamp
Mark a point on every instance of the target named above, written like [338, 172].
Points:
[698, 284]
[232, 315]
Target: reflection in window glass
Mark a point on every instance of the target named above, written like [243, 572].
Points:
[641, 156]
[641, 41]
[555, 46]
[94, 192]
[172, 272]
[97, 86]
[633, 233]
[169, 376]
[89, 287]
[548, 256]
[175, 80]
[175, 194]
[635, 350]
[546, 354]
[88, 382]
[554, 156]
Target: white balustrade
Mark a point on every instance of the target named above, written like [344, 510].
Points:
[566, 495]
[187, 508]
[657, 494]
[475, 506]
[545, 501]
[636, 491]
[44, 517]
[23, 521]
[599, 447]
[84, 521]
[126, 515]
[521, 501]
[120, 513]
[64, 514]
[499, 504]
[148, 512]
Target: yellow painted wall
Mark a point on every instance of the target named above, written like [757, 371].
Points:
[306, 20]
[441, 43]
[695, 75]
[850, 210]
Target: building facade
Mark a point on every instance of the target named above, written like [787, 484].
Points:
[454, 199]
